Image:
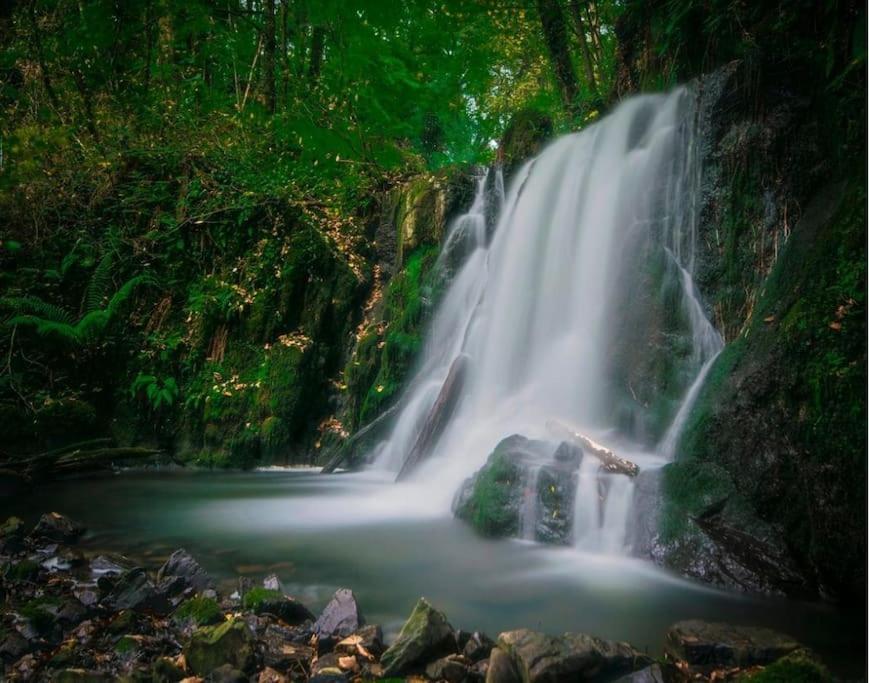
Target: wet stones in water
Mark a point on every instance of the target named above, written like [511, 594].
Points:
[706, 646]
[477, 646]
[574, 656]
[452, 668]
[523, 478]
[340, 618]
[134, 590]
[425, 637]
[181, 564]
[57, 527]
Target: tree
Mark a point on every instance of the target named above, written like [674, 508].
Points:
[555, 35]
[269, 48]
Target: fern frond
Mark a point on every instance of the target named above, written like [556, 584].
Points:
[100, 282]
[125, 292]
[48, 328]
[36, 307]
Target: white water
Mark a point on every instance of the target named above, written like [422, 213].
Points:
[529, 308]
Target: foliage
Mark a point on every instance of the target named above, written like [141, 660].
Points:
[159, 393]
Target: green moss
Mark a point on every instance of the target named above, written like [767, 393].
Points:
[126, 644]
[39, 614]
[201, 610]
[213, 646]
[25, 570]
[257, 596]
[797, 667]
[489, 508]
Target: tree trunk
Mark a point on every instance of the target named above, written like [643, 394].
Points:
[318, 46]
[555, 35]
[579, 28]
[269, 45]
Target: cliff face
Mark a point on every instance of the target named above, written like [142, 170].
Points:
[768, 489]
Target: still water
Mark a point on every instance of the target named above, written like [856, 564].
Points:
[320, 532]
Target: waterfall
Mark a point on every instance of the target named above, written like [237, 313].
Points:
[528, 303]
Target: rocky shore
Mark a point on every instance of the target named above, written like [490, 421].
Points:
[69, 616]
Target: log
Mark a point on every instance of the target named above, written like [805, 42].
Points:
[610, 462]
[343, 452]
[65, 461]
[438, 416]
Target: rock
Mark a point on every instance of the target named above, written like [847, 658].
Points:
[277, 649]
[165, 670]
[80, 676]
[13, 645]
[273, 583]
[452, 668]
[211, 647]
[478, 647]
[651, 674]
[104, 565]
[287, 609]
[134, 590]
[501, 668]
[341, 617]
[12, 535]
[706, 646]
[56, 527]
[227, 674]
[540, 658]
[568, 453]
[182, 564]
[425, 636]
[269, 675]
[522, 489]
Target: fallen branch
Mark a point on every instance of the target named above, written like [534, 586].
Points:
[609, 460]
[343, 450]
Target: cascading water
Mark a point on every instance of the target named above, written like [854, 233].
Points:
[528, 307]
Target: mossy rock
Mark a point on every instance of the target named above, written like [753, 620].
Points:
[524, 137]
[264, 601]
[200, 610]
[211, 647]
[424, 637]
[798, 667]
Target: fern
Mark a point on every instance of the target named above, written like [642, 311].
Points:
[35, 307]
[98, 287]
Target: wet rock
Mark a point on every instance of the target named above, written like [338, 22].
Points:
[329, 677]
[227, 674]
[706, 646]
[105, 565]
[569, 454]
[81, 676]
[341, 617]
[198, 610]
[478, 647]
[425, 637]
[86, 595]
[13, 645]
[269, 675]
[213, 646]
[25, 570]
[285, 608]
[12, 535]
[63, 560]
[651, 674]
[542, 658]
[501, 668]
[452, 668]
[278, 650]
[181, 564]
[57, 527]
[273, 583]
[134, 590]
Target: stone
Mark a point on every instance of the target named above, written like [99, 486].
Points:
[273, 583]
[269, 675]
[568, 453]
[330, 677]
[277, 649]
[134, 590]
[706, 646]
[541, 658]
[341, 616]
[287, 609]
[452, 668]
[501, 668]
[182, 564]
[80, 676]
[478, 647]
[165, 670]
[425, 637]
[368, 640]
[57, 527]
[211, 647]
[104, 565]
[227, 674]
[13, 645]
[651, 674]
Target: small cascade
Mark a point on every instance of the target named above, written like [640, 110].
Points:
[528, 513]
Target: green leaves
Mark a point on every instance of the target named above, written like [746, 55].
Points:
[159, 393]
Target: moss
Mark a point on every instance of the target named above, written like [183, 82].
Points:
[39, 613]
[490, 509]
[126, 644]
[25, 570]
[213, 646]
[797, 667]
[201, 610]
[257, 596]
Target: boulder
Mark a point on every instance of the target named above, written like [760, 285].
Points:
[227, 674]
[706, 646]
[181, 564]
[135, 591]
[651, 674]
[341, 617]
[57, 527]
[523, 489]
[13, 645]
[273, 583]
[501, 668]
[425, 637]
[211, 647]
[541, 658]
[114, 565]
[478, 647]
[452, 668]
